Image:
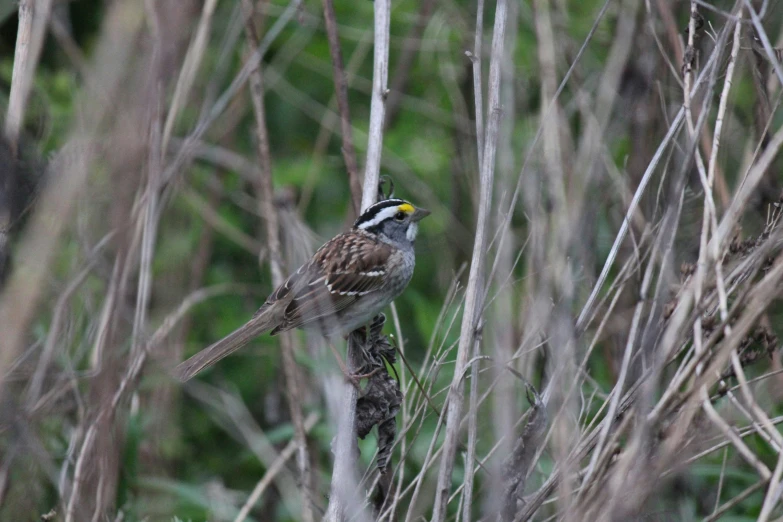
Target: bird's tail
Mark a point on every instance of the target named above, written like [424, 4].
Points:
[224, 347]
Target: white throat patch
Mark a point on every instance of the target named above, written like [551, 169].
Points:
[413, 229]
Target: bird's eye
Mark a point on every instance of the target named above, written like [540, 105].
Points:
[399, 216]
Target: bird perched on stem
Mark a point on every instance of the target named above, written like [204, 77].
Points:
[343, 286]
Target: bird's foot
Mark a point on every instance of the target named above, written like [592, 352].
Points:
[355, 379]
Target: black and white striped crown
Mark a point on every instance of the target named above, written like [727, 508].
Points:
[382, 211]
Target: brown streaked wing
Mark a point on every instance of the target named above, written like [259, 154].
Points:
[292, 284]
[347, 267]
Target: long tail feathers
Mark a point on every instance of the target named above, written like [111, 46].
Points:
[224, 347]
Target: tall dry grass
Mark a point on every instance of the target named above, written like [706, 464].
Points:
[609, 287]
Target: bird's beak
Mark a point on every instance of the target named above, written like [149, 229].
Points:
[419, 214]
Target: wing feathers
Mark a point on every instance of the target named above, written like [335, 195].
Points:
[346, 268]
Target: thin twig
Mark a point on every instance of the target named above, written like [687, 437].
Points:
[768, 49]
[406, 60]
[380, 79]
[674, 128]
[478, 98]
[273, 470]
[33, 20]
[229, 94]
[470, 316]
[736, 500]
[478, 101]
[343, 474]
[271, 221]
[188, 71]
[772, 498]
[341, 92]
[213, 218]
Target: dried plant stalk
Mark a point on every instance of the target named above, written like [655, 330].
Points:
[475, 288]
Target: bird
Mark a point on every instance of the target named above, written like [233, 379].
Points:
[346, 283]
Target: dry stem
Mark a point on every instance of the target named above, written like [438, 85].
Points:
[474, 291]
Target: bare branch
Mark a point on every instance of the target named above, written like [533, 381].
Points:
[271, 220]
[341, 91]
[475, 288]
[380, 78]
[33, 20]
[343, 473]
[273, 470]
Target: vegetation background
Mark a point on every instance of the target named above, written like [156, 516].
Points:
[627, 361]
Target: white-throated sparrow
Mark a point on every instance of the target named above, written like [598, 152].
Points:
[342, 287]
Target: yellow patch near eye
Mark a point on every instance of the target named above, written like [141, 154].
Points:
[407, 208]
